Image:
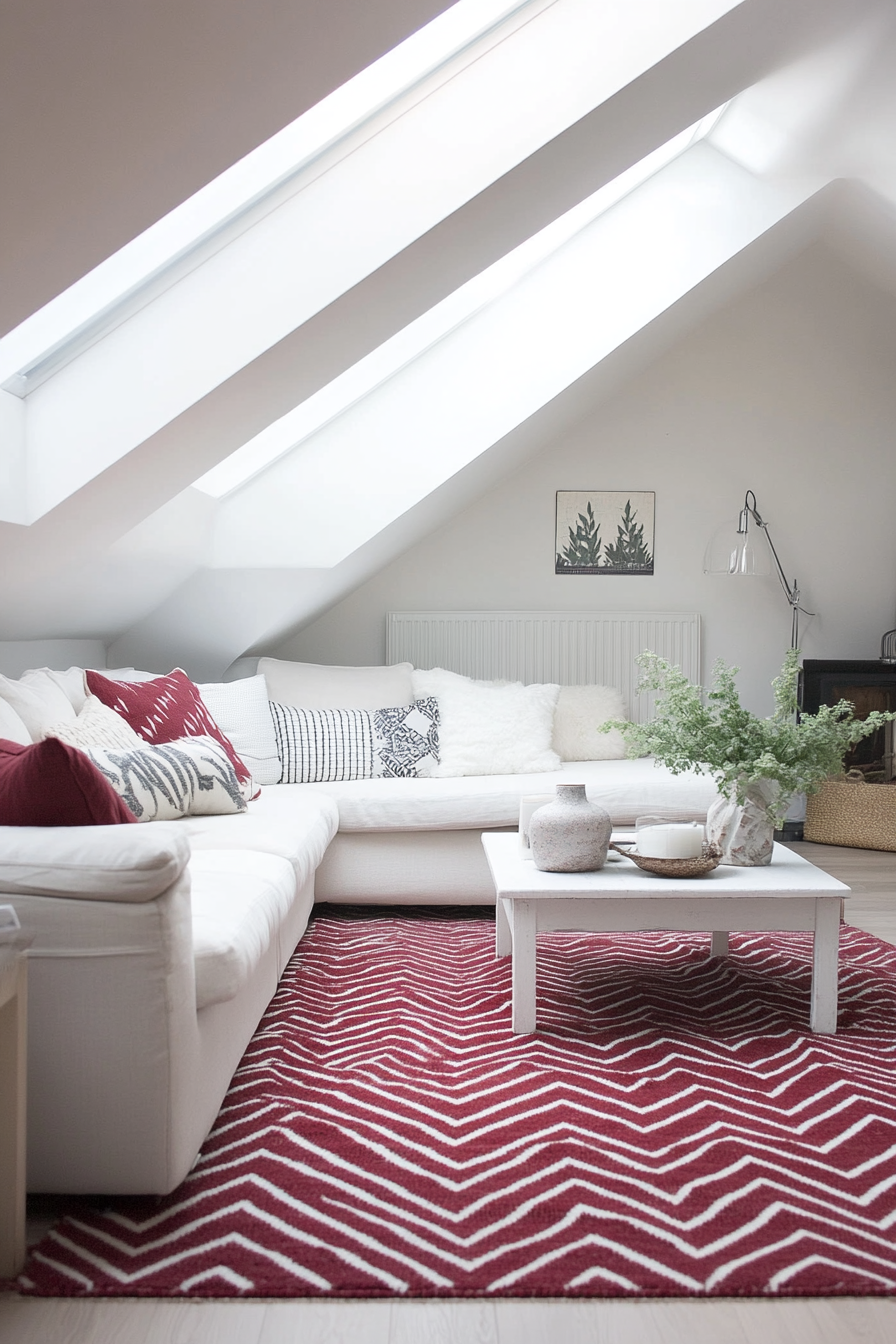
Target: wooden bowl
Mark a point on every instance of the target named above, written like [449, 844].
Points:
[709, 859]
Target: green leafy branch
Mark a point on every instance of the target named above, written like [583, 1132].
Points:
[712, 731]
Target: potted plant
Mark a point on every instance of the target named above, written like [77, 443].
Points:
[758, 764]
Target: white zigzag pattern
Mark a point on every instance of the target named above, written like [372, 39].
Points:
[671, 1128]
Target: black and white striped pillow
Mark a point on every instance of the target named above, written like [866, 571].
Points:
[323, 746]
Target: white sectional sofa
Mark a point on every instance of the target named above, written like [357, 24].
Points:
[149, 970]
[157, 948]
[409, 841]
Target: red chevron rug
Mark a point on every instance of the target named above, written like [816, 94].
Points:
[673, 1128]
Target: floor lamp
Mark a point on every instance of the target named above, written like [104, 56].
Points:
[735, 553]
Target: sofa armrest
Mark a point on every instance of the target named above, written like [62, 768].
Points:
[95, 863]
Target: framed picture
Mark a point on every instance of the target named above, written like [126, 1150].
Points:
[604, 532]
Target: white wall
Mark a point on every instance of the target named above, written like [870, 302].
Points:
[18, 655]
[789, 391]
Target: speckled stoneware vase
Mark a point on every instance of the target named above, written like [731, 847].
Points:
[569, 835]
[744, 834]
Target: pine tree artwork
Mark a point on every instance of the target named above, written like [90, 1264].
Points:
[604, 532]
[629, 552]
[583, 546]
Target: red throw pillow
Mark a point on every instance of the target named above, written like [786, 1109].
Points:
[163, 710]
[52, 784]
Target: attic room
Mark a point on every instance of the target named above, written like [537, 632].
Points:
[308, 312]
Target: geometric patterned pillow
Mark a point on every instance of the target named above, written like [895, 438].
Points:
[322, 746]
[408, 739]
[190, 777]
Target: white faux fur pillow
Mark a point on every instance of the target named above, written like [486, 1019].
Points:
[580, 711]
[490, 730]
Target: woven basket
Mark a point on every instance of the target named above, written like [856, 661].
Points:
[850, 812]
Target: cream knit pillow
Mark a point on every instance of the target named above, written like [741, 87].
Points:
[96, 726]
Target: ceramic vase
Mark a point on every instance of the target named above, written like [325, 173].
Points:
[571, 834]
[743, 832]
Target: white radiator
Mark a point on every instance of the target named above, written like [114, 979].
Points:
[574, 648]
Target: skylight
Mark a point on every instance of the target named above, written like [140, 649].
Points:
[361, 476]
[55, 333]
[288, 432]
[276, 240]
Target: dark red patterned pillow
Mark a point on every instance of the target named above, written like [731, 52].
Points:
[52, 784]
[163, 710]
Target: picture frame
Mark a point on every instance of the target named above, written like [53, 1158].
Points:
[604, 532]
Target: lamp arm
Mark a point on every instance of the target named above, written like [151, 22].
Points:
[791, 590]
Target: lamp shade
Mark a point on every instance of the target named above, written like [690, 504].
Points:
[731, 551]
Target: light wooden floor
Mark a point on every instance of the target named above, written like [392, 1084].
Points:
[872, 877]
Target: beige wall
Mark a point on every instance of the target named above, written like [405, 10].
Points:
[789, 391]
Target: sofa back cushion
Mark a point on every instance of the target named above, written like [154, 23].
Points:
[53, 784]
[12, 726]
[164, 709]
[37, 700]
[241, 711]
[312, 686]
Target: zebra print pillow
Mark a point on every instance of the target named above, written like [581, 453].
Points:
[192, 776]
[323, 746]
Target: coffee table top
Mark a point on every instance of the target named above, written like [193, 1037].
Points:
[787, 875]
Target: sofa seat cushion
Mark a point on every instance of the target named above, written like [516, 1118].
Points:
[240, 899]
[294, 822]
[627, 789]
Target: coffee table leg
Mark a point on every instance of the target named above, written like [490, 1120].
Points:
[719, 945]
[823, 1014]
[502, 930]
[522, 914]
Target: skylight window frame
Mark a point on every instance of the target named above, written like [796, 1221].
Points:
[259, 182]
[289, 431]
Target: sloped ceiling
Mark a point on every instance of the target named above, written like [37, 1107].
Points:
[136, 556]
[112, 114]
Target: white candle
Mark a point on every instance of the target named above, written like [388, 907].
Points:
[681, 840]
[530, 803]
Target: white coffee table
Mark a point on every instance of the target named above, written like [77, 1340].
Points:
[790, 893]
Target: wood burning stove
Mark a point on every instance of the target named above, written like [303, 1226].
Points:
[869, 684]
